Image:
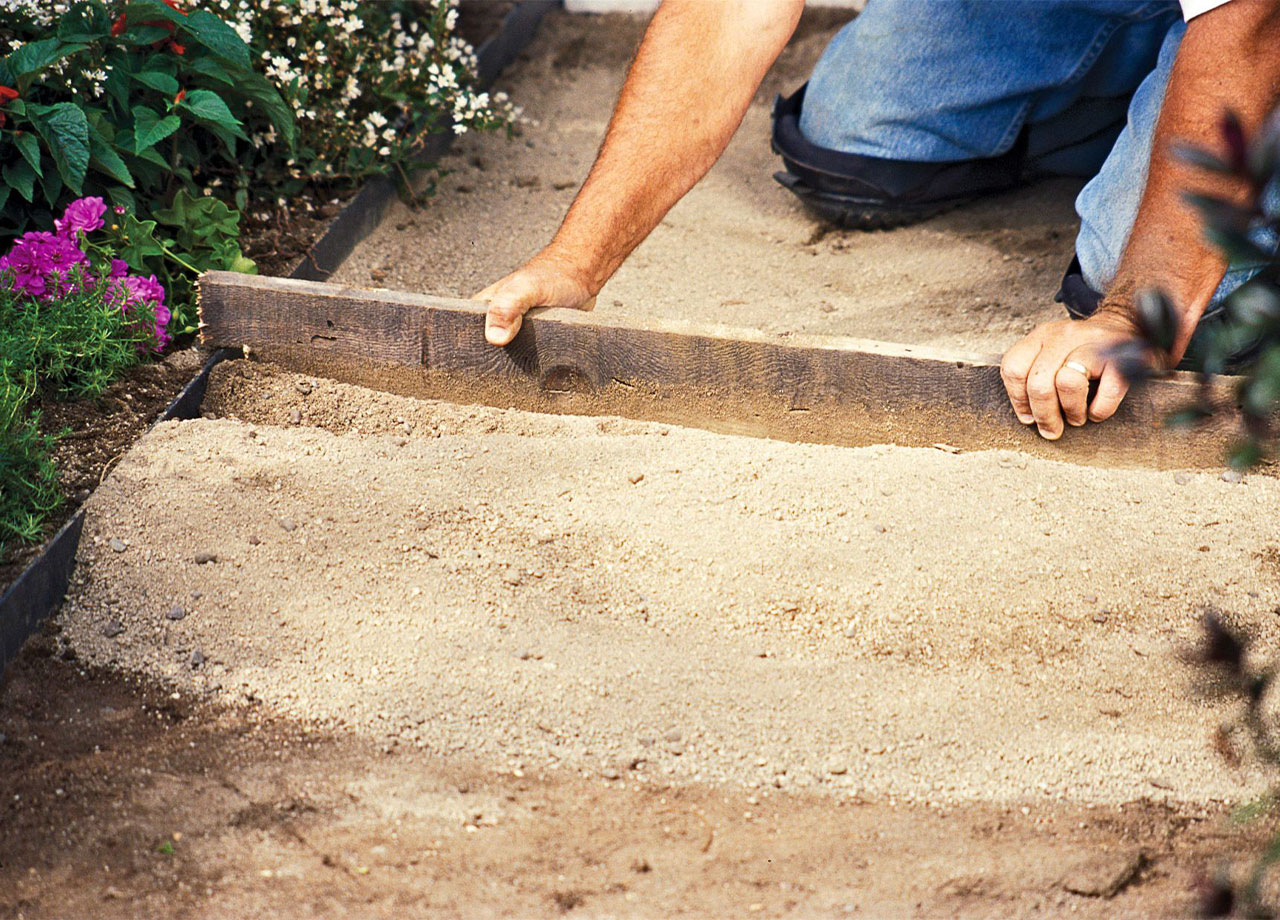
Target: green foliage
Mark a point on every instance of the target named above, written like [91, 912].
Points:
[28, 480]
[68, 347]
[160, 107]
[1245, 338]
[131, 103]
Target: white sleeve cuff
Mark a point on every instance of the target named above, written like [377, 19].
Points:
[1193, 8]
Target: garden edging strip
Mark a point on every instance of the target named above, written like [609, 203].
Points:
[38, 591]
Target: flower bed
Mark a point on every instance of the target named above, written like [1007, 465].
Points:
[181, 126]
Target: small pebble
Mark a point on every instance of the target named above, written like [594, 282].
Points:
[117, 545]
[288, 525]
[176, 612]
[1232, 476]
[851, 630]
[303, 387]
[253, 540]
[880, 528]
[295, 417]
[610, 773]
[636, 479]
[205, 558]
[1182, 478]
[196, 659]
[837, 768]
[528, 654]
[112, 628]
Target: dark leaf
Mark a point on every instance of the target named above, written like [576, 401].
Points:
[1200, 158]
[1255, 303]
[1188, 418]
[1158, 321]
[214, 34]
[1233, 139]
[1133, 360]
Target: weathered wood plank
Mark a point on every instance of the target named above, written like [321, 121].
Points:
[811, 388]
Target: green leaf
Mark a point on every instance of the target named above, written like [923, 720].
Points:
[150, 128]
[207, 106]
[211, 32]
[145, 35]
[146, 10]
[4, 195]
[34, 57]
[29, 147]
[254, 86]
[161, 82]
[84, 22]
[22, 178]
[66, 132]
[108, 161]
[211, 68]
[122, 197]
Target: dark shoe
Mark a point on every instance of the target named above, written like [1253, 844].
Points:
[869, 193]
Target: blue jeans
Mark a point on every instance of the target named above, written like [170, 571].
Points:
[945, 80]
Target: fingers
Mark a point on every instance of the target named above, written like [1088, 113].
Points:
[1112, 387]
[1013, 371]
[1072, 385]
[1042, 393]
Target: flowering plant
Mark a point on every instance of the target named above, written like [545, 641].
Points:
[47, 266]
[367, 82]
[72, 317]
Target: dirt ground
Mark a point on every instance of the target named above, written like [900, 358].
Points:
[738, 250]
[334, 652]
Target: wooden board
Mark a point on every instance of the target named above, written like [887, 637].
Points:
[808, 388]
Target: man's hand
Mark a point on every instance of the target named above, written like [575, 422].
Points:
[541, 282]
[1045, 381]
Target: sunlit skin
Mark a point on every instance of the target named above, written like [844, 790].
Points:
[692, 81]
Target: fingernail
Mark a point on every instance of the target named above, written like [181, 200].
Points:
[495, 334]
[1026, 419]
[1047, 434]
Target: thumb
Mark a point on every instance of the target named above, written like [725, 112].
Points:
[505, 315]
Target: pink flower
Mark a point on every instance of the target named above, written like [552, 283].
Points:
[84, 215]
[139, 291]
[119, 268]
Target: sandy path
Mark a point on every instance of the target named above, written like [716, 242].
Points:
[738, 250]
[882, 623]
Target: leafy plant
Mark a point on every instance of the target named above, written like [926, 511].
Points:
[130, 103]
[71, 320]
[1245, 339]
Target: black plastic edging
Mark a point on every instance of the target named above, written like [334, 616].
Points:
[39, 590]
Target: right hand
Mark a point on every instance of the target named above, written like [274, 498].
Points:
[542, 282]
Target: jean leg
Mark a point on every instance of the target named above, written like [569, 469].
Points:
[945, 80]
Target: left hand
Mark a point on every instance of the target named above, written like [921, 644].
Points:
[1044, 389]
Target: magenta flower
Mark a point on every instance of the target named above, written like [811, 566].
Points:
[139, 291]
[119, 268]
[84, 215]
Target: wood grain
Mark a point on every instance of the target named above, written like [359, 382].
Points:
[811, 388]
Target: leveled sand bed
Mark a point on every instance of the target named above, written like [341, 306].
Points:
[658, 602]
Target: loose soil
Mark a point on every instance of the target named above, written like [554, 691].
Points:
[738, 250]
[331, 652]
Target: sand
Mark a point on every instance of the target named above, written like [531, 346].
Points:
[738, 250]
[621, 598]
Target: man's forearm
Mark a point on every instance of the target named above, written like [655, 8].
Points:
[694, 76]
[1227, 61]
